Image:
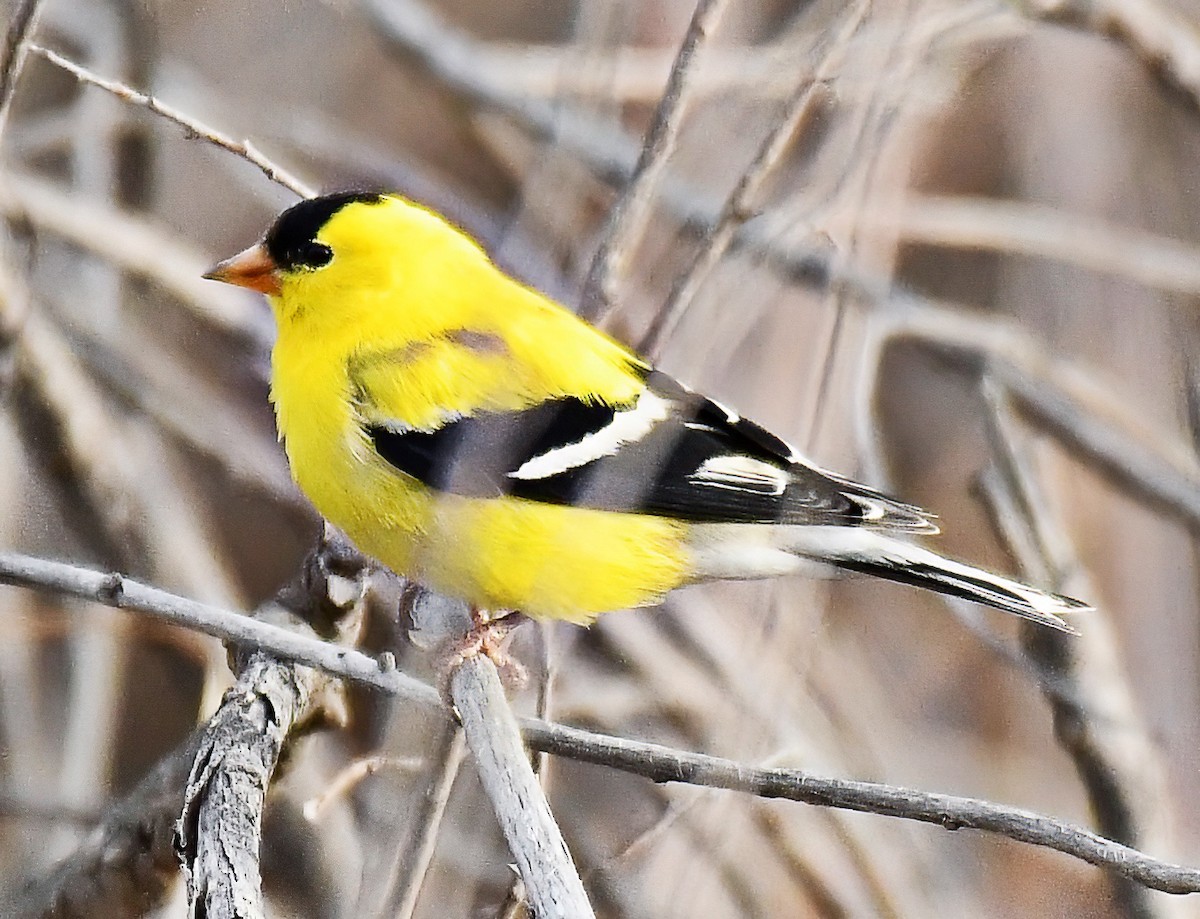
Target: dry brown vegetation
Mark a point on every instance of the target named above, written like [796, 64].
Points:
[946, 247]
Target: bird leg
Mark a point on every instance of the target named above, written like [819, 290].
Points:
[488, 635]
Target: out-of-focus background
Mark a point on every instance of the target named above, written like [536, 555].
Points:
[969, 276]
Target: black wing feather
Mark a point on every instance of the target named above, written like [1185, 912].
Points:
[655, 474]
[474, 454]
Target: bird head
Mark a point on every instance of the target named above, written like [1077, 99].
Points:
[340, 248]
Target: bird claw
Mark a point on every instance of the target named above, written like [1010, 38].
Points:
[487, 636]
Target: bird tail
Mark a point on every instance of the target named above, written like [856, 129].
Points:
[870, 552]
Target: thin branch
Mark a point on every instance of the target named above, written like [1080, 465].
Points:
[744, 199]
[137, 245]
[192, 126]
[641, 843]
[351, 777]
[16, 50]
[545, 678]
[649, 760]
[627, 219]
[124, 593]
[633, 74]
[414, 859]
[551, 879]
[663, 764]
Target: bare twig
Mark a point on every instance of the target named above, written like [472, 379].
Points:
[662, 764]
[1147, 466]
[627, 219]
[633, 74]
[236, 628]
[192, 126]
[649, 760]
[351, 777]
[744, 199]
[676, 808]
[545, 677]
[16, 49]
[551, 879]
[414, 859]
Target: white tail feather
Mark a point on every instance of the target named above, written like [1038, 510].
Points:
[741, 551]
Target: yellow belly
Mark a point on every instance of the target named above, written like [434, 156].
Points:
[548, 561]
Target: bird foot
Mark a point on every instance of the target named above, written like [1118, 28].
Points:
[487, 636]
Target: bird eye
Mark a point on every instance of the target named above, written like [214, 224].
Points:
[316, 255]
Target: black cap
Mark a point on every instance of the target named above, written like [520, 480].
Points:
[291, 242]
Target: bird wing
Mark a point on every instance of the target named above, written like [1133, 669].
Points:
[669, 452]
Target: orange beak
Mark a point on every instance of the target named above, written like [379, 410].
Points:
[252, 268]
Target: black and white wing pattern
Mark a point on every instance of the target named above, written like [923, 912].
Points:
[672, 453]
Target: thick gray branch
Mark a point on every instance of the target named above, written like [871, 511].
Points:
[220, 829]
[551, 879]
[127, 865]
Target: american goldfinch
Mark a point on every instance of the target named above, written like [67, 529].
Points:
[479, 438]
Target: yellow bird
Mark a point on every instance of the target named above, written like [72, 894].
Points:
[479, 438]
